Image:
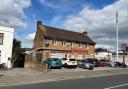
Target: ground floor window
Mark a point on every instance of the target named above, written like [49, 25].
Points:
[80, 56]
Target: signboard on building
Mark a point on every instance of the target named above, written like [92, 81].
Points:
[123, 46]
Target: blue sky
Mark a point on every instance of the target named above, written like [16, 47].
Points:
[76, 15]
[48, 10]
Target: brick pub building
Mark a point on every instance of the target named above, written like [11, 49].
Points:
[59, 43]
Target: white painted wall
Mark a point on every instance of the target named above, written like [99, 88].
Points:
[6, 48]
[103, 55]
[57, 55]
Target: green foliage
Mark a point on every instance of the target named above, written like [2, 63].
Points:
[16, 48]
[16, 45]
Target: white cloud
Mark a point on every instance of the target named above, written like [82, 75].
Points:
[63, 5]
[27, 40]
[99, 22]
[49, 3]
[56, 19]
[30, 36]
[12, 13]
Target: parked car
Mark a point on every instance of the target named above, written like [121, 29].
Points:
[78, 62]
[103, 63]
[85, 64]
[69, 62]
[119, 64]
[53, 63]
[112, 64]
[93, 61]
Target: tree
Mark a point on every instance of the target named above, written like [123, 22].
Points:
[16, 48]
[16, 45]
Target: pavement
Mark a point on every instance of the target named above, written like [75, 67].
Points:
[19, 76]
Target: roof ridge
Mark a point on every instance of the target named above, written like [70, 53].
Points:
[63, 29]
[59, 33]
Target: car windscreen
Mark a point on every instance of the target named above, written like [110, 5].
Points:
[85, 61]
[63, 59]
[55, 59]
[72, 59]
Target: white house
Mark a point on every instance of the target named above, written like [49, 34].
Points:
[120, 57]
[6, 41]
[103, 54]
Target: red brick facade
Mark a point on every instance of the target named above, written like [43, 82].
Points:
[54, 42]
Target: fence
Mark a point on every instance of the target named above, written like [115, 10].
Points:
[31, 61]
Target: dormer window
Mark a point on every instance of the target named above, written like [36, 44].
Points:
[54, 42]
[63, 43]
[80, 45]
[72, 44]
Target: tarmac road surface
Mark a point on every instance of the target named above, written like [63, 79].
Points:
[105, 82]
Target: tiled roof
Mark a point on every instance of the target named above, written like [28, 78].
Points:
[61, 34]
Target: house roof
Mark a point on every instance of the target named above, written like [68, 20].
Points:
[101, 50]
[61, 34]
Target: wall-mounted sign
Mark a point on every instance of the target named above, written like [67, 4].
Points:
[123, 46]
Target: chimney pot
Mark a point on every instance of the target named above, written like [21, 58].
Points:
[85, 33]
[39, 22]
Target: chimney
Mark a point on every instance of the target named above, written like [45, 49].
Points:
[85, 33]
[39, 23]
[40, 27]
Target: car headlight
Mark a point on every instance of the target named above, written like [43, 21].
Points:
[87, 65]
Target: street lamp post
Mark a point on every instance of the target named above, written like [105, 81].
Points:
[117, 36]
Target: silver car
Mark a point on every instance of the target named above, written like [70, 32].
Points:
[112, 64]
[85, 64]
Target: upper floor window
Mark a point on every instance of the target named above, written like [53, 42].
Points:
[86, 45]
[63, 43]
[1, 38]
[54, 42]
[72, 44]
[80, 44]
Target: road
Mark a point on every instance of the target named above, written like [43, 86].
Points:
[107, 82]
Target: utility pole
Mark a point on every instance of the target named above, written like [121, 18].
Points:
[117, 36]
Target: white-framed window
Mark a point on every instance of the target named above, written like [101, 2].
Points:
[86, 45]
[54, 42]
[72, 44]
[1, 38]
[80, 45]
[68, 44]
[63, 43]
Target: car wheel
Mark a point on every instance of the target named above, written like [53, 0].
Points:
[74, 67]
[49, 67]
[109, 65]
[83, 67]
[60, 67]
[91, 68]
[65, 65]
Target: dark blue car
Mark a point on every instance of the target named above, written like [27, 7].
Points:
[53, 63]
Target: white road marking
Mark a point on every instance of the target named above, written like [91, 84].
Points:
[126, 84]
